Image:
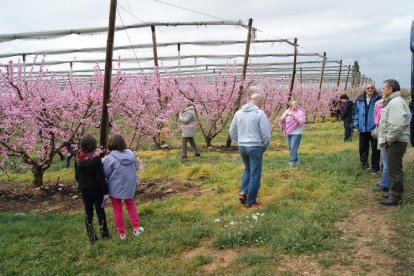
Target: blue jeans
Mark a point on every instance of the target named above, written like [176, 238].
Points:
[385, 178]
[293, 145]
[252, 158]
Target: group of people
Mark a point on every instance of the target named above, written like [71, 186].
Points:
[382, 123]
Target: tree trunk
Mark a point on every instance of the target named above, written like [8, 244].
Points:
[228, 142]
[38, 172]
[156, 141]
[208, 141]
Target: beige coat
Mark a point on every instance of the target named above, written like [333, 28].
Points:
[188, 122]
[395, 121]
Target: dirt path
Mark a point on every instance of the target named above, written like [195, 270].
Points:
[367, 234]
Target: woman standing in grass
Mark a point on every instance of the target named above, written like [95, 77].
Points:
[292, 122]
[120, 168]
[92, 185]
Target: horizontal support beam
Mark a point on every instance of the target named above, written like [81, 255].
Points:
[141, 46]
[90, 31]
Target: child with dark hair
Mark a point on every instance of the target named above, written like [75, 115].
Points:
[120, 168]
[92, 185]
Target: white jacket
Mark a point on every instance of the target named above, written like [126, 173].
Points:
[395, 121]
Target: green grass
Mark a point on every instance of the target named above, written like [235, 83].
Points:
[301, 206]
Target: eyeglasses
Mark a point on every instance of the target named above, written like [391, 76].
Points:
[370, 88]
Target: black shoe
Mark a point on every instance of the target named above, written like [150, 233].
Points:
[385, 195]
[391, 201]
[197, 154]
[379, 188]
[104, 230]
[91, 232]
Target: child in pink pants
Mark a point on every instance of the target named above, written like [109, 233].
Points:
[120, 168]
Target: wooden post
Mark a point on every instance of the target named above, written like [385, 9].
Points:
[107, 77]
[161, 137]
[154, 46]
[300, 74]
[179, 59]
[294, 69]
[71, 67]
[246, 53]
[347, 76]
[24, 67]
[322, 72]
[339, 74]
[245, 62]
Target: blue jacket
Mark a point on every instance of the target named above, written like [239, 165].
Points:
[364, 114]
[250, 127]
[120, 170]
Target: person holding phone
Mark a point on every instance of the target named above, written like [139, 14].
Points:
[292, 122]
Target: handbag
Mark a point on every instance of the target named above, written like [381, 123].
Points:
[375, 132]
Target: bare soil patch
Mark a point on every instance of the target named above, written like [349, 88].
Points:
[221, 258]
[64, 197]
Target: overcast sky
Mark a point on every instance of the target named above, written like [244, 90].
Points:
[376, 33]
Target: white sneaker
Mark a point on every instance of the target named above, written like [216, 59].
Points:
[122, 236]
[138, 231]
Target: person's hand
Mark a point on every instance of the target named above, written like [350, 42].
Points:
[356, 131]
[103, 152]
[104, 201]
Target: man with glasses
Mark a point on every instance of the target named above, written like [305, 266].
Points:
[394, 135]
[363, 124]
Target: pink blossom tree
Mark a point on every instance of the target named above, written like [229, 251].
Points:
[40, 115]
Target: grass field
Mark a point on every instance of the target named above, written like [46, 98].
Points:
[308, 222]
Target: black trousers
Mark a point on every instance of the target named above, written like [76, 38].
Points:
[90, 199]
[347, 130]
[395, 154]
[365, 139]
